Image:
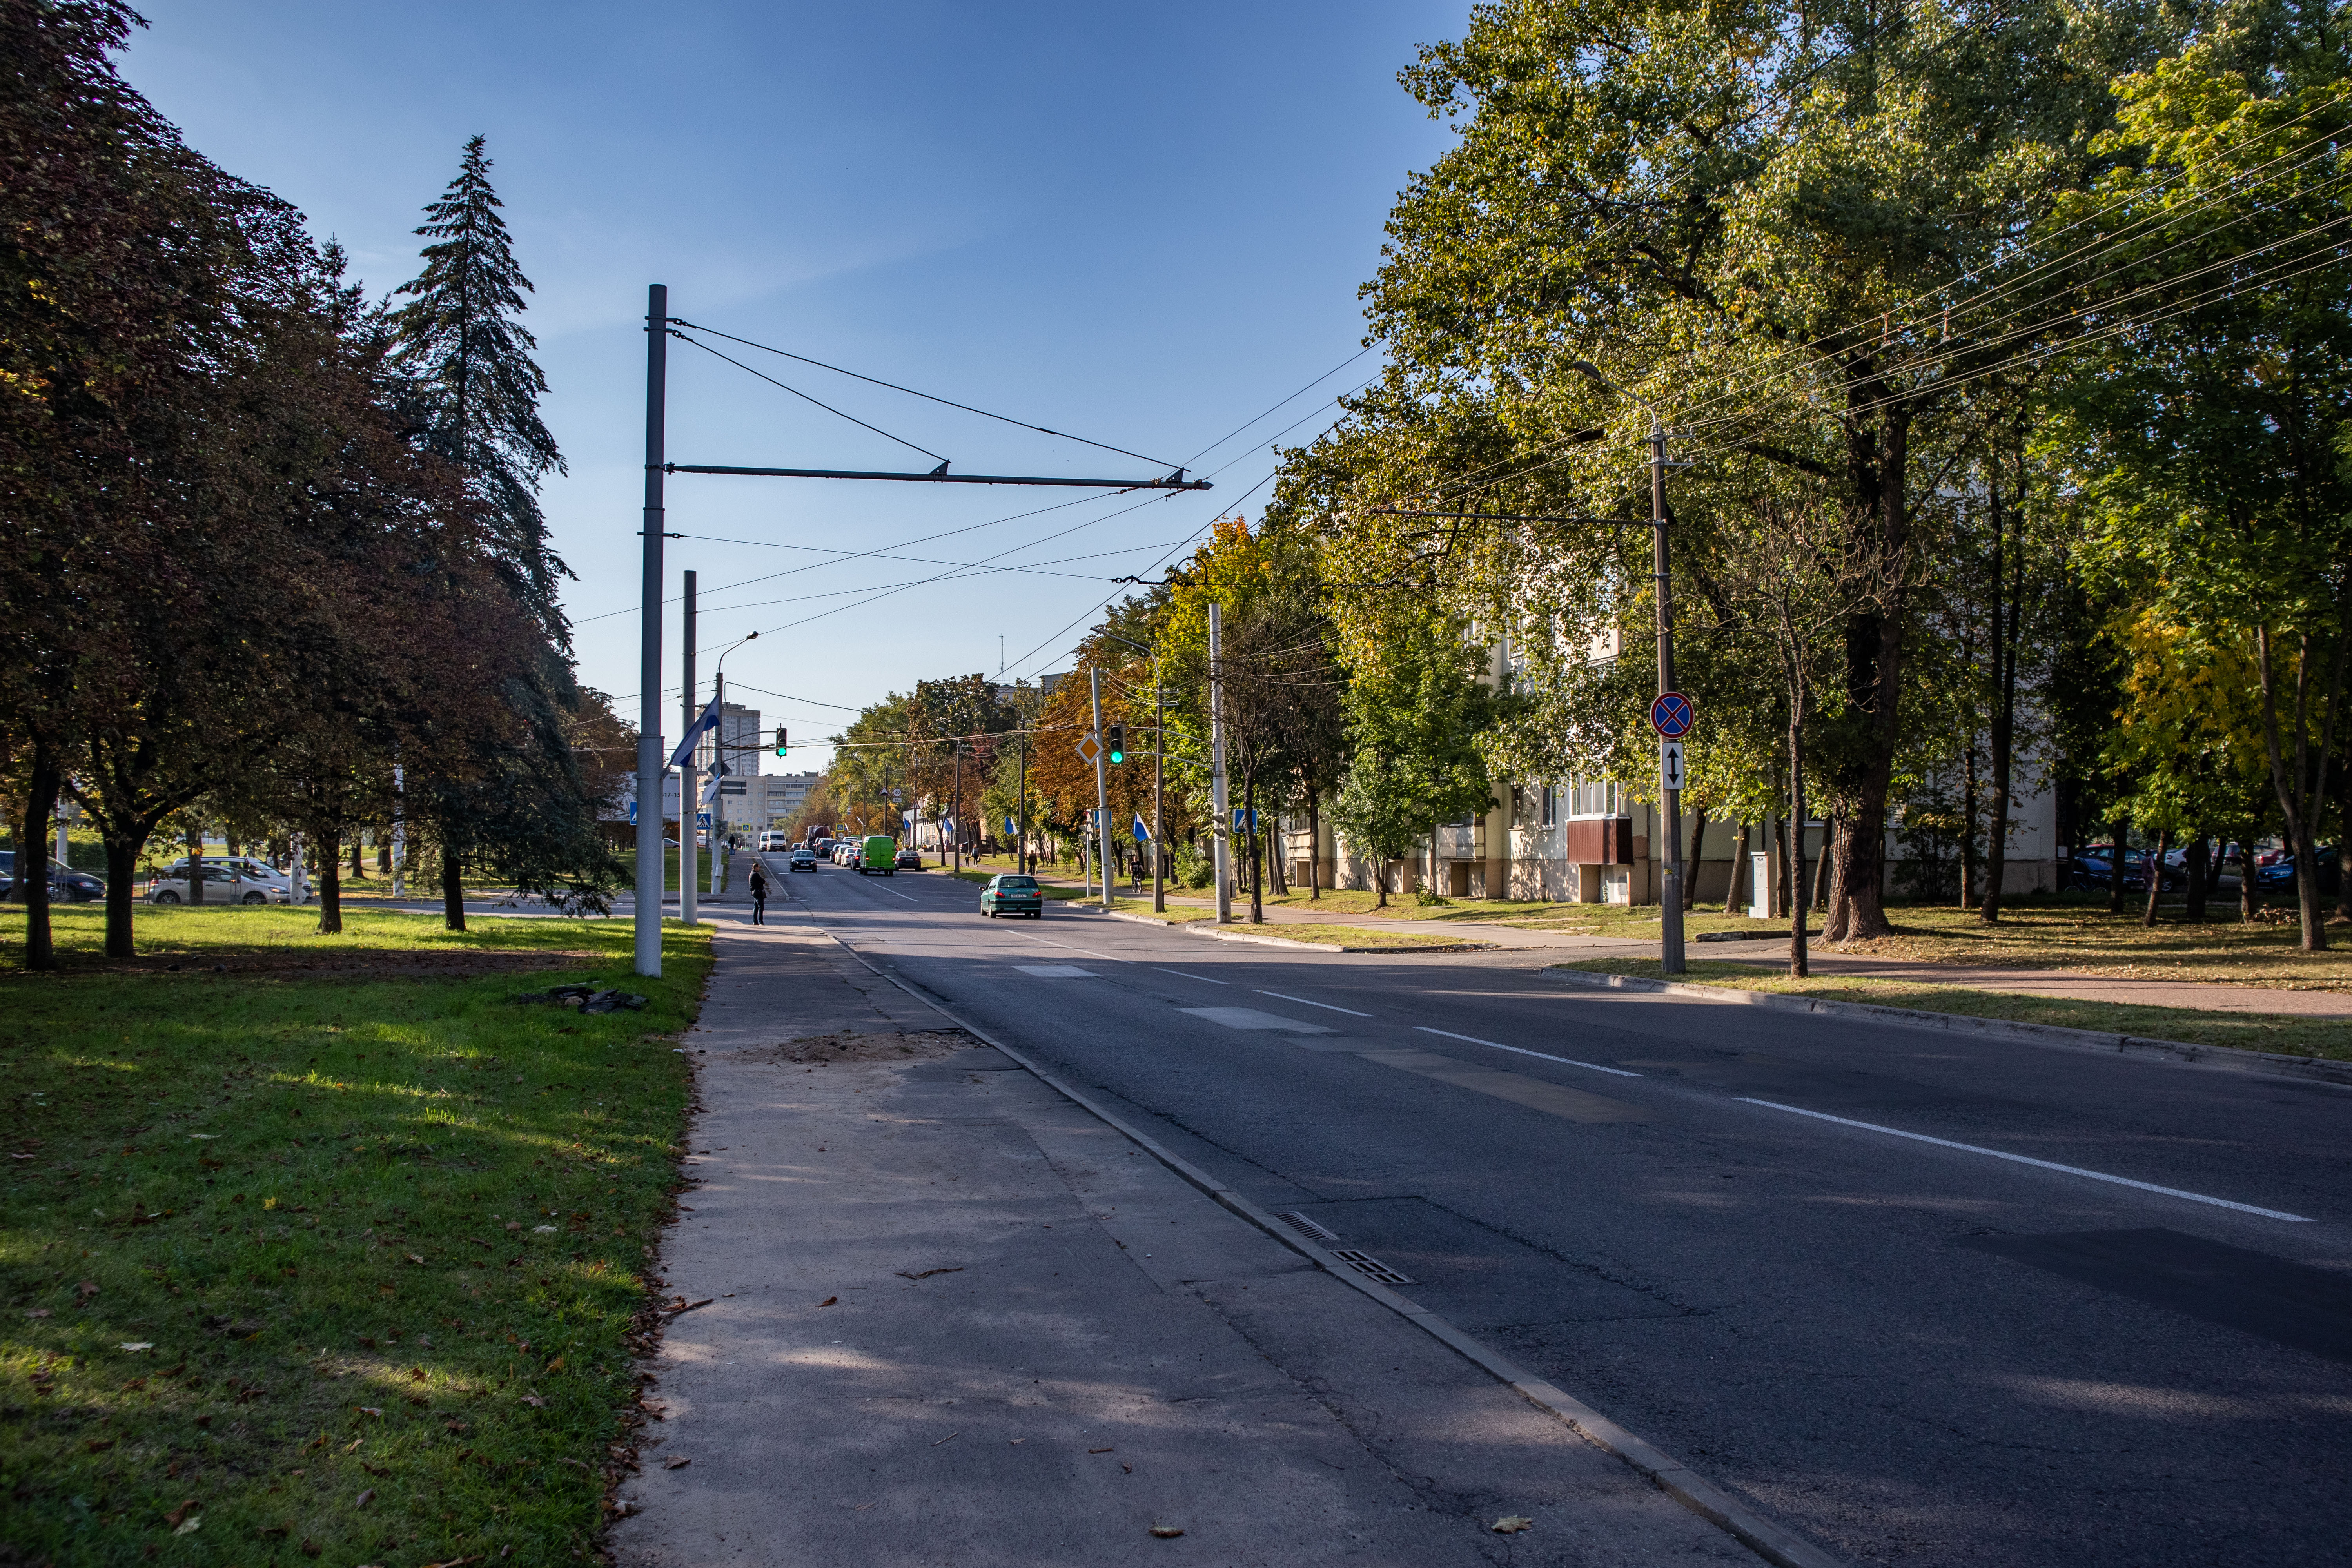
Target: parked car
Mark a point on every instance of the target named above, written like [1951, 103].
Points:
[223, 884]
[66, 887]
[2279, 873]
[251, 867]
[1013, 893]
[911, 858]
[2093, 869]
[804, 859]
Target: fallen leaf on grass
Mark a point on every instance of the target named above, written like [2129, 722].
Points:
[101, 1445]
[413, 1258]
[1511, 1524]
[927, 1273]
[366, 1498]
[179, 1513]
[311, 1548]
[374, 1410]
[194, 1523]
[676, 1462]
[534, 1400]
[1166, 1532]
[135, 1346]
[86, 1289]
[39, 1312]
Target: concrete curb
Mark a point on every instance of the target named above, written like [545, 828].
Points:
[2226, 1059]
[1774, 1543]
[1197, 929]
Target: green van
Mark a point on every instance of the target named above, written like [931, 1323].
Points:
[879, 853]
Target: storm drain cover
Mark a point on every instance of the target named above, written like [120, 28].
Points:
[1305, 1227]
[1370, 1267]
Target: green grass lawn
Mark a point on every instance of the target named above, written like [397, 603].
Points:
[325, 1249]
[2283, 1033]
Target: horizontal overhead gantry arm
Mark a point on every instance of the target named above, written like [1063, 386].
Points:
[939, 476]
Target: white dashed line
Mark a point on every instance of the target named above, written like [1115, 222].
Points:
[1539, 1056]
[1201, 978]
[2029, 1159]
[1325, 1006]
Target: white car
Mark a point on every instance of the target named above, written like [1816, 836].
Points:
[223, 884]
[249, 868]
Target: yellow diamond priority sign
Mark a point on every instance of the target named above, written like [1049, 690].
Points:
[1088, 747]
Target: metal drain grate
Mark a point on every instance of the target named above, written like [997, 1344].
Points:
[1371, 1267]
[1305, 1227]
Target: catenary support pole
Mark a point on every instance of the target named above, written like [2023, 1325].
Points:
[689, 780]
[1158, 779]
[650, 872]
[1221, 825]
[726, 770]
[1102, 788]
[956, 811]
[1021, 846]
[1670, 913]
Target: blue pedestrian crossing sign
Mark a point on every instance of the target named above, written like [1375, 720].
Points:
[1672, 716]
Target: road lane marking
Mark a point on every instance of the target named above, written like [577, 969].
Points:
[1552, 1098]
[896, 894]
[1325, 1006]
[1201, 978]
[1251, 1019]
[1057, 971]
[2029, 1159]
[1517, 1050]
[1049, 942]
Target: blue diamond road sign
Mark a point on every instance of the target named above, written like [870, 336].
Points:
[1671, 715]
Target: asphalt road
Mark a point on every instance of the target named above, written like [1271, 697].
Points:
[1709, 1222]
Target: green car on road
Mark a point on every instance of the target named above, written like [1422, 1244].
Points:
[1012, 894]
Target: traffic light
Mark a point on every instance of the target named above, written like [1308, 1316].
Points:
[1115, 743]
[781, 747]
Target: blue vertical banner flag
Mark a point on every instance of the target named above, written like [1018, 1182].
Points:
[947, 826]
[1010, 827]
[695, 732]
[1142, 833]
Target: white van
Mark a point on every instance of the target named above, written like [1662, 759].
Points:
[773, 842]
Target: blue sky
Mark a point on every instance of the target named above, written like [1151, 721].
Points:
[1144, 224]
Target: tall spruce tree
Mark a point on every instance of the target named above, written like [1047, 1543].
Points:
[475, 385]
[515, 804]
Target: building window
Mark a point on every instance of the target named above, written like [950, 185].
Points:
[1550, 807]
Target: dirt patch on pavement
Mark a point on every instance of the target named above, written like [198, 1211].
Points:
[849, 1046]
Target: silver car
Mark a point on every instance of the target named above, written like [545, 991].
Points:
[225, 882]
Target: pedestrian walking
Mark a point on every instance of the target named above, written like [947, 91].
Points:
[759, 895]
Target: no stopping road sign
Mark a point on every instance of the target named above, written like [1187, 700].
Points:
[1671, 715]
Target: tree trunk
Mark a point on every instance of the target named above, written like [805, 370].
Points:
[453, 886]
[358, 872]
[1698, 842]
[2005, 629]
[2193, 896]
[2156, 874]
[1880, 460]
[1969, 889]
[1314, 849]
[2117, 828]
[1825, 869]
[41, 786]
[1740, 853]
[330, 883]
[1274, 879]
[121, 895]
[1799, 959]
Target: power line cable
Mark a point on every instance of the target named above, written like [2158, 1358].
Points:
[948, 402]
[796, 392]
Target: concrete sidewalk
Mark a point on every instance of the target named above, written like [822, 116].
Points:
[955, 1318]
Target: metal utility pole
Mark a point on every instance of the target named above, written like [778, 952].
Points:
[1670, 952]
[1102, 788]
[1222, 828]
[687, 909]
[650, 875]
[718, 754]
[1020, 844]
[1158, 778]
[956, 812]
